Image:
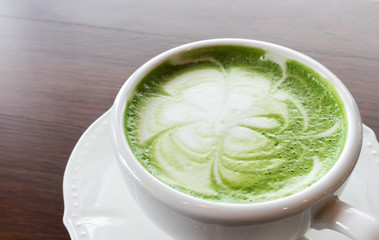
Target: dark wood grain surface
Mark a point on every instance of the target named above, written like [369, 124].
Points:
[63, 62]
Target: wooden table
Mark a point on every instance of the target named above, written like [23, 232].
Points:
[62, 63]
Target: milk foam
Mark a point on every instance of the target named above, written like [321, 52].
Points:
[231, 134]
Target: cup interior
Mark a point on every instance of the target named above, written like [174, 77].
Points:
[218, 211]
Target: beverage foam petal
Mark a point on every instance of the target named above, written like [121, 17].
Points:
[182, 167]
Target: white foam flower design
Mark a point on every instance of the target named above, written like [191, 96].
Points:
[205, 131]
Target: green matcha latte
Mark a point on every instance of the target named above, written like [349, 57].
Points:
[229, 124]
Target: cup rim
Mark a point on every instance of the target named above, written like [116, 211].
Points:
[220, 212]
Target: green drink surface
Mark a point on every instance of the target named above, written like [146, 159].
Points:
[230, 124]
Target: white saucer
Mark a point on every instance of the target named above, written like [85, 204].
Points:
[98, 205]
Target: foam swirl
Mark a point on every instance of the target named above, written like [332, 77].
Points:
[213, 129]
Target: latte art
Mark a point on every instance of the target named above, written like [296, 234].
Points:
[235, 131]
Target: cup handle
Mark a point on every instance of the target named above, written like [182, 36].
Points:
[341, 217]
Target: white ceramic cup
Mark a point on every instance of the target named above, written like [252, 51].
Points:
[186, 217]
